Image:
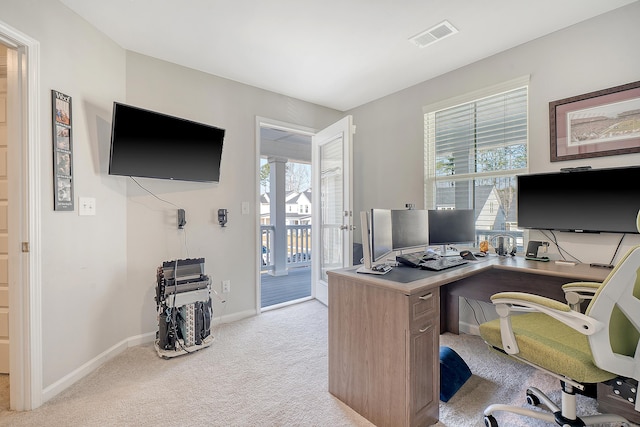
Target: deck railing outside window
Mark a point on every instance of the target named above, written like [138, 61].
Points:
[298, 246]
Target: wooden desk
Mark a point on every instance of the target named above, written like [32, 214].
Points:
[384, 330]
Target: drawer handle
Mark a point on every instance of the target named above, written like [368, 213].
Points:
[425, 329]
[426, 297]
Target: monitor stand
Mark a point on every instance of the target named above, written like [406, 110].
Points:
[445, 253]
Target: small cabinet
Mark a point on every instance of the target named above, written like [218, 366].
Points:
[384, 350]
[423, 373]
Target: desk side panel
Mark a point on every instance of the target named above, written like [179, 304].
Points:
[368, 329]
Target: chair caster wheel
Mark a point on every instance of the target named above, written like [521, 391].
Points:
[532, 399]
[490, 421]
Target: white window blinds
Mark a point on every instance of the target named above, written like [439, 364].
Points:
[474, 147]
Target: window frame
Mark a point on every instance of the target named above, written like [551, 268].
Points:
[430, 169]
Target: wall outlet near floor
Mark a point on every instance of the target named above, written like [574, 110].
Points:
[226, 286]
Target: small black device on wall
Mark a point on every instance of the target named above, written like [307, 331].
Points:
[222, 217]
[182, 220]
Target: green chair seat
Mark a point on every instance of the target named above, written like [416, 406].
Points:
[550, 344]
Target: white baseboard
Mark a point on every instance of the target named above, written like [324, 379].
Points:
[79, 373]
[469, 328]
[229, 318]
[76, 375]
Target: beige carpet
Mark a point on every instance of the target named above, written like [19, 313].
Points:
[269, 370]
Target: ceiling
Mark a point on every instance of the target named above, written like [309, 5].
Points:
[335, 53]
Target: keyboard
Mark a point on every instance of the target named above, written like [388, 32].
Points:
[442, 263]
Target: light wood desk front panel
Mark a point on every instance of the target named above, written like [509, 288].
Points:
[381, 352]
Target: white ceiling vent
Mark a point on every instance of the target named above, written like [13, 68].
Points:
[434, 34]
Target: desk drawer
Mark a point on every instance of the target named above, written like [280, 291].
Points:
[423, 306]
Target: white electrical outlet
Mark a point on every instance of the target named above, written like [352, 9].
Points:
[226, 286]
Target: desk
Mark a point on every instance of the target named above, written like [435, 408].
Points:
[384, 330]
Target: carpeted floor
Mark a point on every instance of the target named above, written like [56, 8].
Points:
[269, 370]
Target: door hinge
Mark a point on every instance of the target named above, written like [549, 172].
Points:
[25, 246]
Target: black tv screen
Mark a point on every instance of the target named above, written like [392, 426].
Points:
[591, 200]
[155, 145]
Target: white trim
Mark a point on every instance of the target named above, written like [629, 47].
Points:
[113, 351]
[478, 94]
[234, 317]
[25, 304]
[93, 364]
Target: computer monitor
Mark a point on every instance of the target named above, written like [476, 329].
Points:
[381, 234]
[451, 226]
[409, 229]
[376, 239]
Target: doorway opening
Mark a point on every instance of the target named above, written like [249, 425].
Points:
[285, 209]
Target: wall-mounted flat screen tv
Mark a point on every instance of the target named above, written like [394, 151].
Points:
[588, 200]
[155, 145]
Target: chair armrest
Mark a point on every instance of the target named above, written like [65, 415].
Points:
[577, 292]
[508, 302]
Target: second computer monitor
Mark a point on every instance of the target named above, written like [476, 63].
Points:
[410, 229]
[450, 226]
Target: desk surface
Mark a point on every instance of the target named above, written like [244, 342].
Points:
[425, 279]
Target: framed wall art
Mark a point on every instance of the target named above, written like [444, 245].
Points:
[62, 152]
[601, 123]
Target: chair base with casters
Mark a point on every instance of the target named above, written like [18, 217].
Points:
[556, 415]
[549, 356]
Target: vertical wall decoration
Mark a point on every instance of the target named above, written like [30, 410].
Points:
[62, 152]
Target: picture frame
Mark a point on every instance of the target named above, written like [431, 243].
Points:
[600, 123]
[62, 152]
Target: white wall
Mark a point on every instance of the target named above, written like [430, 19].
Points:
[593, 55]
[84, 259]
[589, 56]
[152, 233]
[99, 271]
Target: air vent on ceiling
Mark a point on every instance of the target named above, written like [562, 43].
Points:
[434, 34]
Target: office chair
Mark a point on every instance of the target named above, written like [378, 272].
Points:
[577, 348]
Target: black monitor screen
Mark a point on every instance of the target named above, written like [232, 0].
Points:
[592, 200]
[410, 228]
[154, 145]
[381, 238]
[449, 226]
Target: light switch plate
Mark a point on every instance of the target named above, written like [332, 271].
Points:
[245, 208]
[86, 206]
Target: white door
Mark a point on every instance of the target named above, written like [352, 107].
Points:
[332, 217]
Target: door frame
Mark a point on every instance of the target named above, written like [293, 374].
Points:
[25, 313]
[289, 127]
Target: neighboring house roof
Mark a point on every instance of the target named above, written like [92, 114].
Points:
[490, 213]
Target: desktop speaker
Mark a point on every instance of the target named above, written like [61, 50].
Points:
[504, 244]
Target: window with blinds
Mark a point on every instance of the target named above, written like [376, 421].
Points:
[473, 151]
